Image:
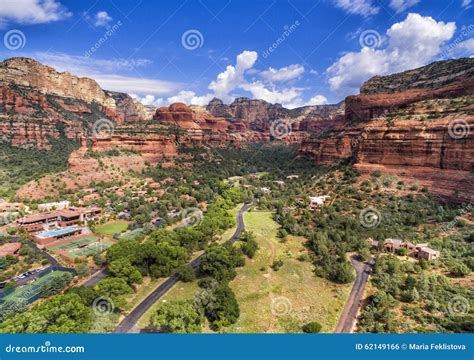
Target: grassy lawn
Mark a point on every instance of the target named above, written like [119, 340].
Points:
[112, 227]
[282, 301]
[297, 295]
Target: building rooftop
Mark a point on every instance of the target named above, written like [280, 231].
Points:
[319, 200]
[429, 250]
[9, 248]
[38, 217]
[69, 213]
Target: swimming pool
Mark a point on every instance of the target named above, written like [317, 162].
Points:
[57, 232]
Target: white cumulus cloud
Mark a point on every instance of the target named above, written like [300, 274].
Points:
[233, 79]
[318, 100]
[283, 74]
[411, 43]
[102, 18]
[401, 5]
[31, 11]
[233, 76]
[358, 7]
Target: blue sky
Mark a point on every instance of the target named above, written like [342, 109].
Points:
[191, 51]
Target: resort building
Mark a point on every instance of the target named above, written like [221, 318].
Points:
[426, 253]
[12, 249]
[65, 217]
[419, 251]
[35, 222]
[49, 236]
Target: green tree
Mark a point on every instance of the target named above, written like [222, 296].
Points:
[186, 273]
[62, 314]
[250, 245]
[222, 309]
[344, 273]
[178, 317]
[113, 288]
[122, 268]
[219, 262]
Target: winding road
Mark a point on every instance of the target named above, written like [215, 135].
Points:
[127, 324]
[349, 314]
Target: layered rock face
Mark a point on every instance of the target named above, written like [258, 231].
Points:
[418, 123]
[152, 146]
[259, 114]
[30, 73]
[129, 108]
[37, 103]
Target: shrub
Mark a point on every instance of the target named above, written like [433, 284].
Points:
[312, 327]
[277, 264]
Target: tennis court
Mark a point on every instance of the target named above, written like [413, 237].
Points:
[32, 290]
[83, 246]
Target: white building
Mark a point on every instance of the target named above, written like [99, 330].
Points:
[315, 202]
[54, 206]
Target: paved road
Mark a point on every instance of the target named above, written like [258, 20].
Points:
[132, 318]
[349, 314]
[96, 277]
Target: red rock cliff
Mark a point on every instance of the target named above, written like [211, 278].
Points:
[418, 123]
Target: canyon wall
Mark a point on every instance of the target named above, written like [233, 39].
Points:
[38, 104]
[415, 124]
